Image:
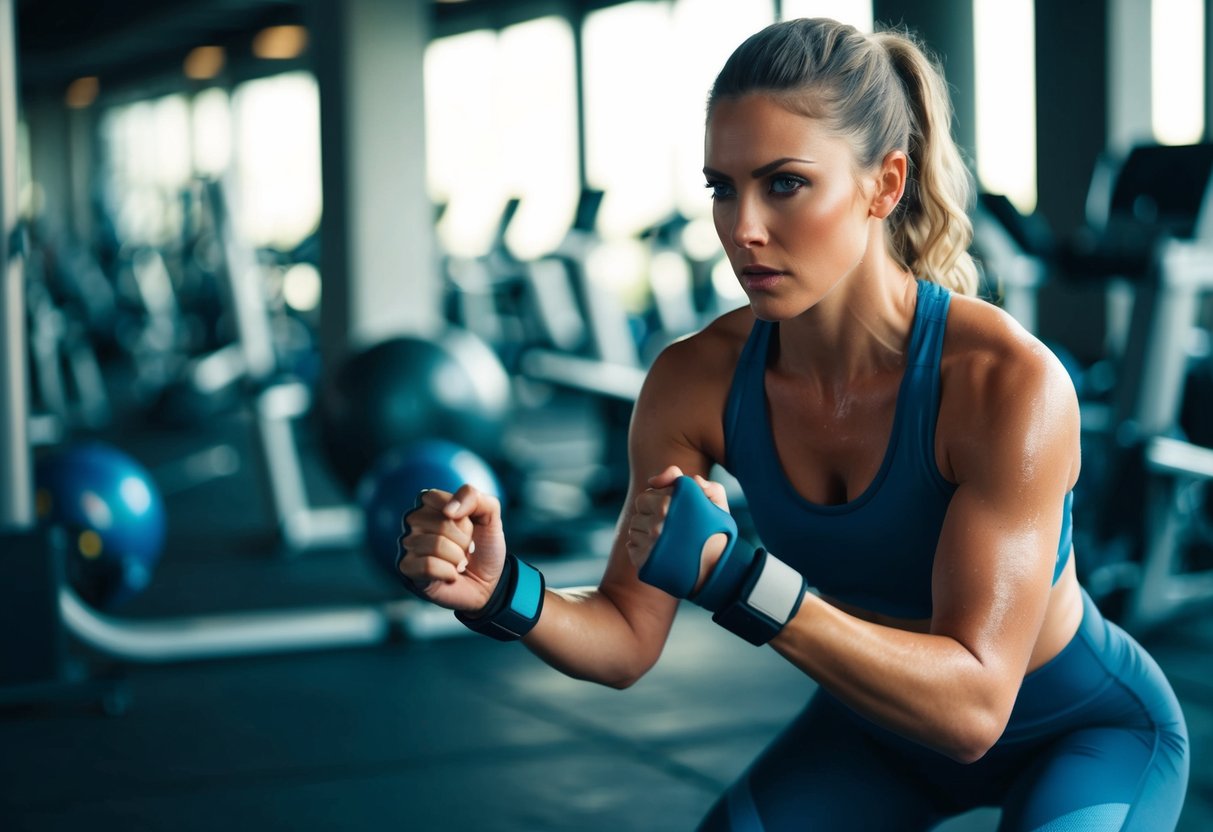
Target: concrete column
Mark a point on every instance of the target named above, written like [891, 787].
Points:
[49, 156]
[1208, 137]
[376, 233]
[1072, 89]
[81, 127]
[16, 495]
[1072, 92]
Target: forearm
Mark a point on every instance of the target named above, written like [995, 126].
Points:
[929, 688]
[584, 633]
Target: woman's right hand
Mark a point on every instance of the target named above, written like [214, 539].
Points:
[454, 547]
[648, 521]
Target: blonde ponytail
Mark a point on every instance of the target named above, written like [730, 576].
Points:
[931, 231]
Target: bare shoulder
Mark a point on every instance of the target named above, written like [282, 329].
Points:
[688, 384]
[700, 357]
[1001, 387]
[989, 347]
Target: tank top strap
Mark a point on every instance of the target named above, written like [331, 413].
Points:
[919, 402]
[930, 321]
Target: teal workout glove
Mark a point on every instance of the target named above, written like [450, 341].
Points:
[673, 564]
[751, 592]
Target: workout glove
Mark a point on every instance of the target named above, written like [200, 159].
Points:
[751, 592]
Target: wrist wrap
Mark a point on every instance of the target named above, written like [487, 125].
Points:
[515, 605]
[768, 599]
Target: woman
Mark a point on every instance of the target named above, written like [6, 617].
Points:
[906, 449]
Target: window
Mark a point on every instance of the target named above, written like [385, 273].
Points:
[856, 12]
[628, 66]
[277, 157]
[501, 122]
[648, 69]
[268, 130]
[147, 148]
[1177, 53]
[1005, 58]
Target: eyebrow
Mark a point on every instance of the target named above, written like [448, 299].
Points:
[759, 172]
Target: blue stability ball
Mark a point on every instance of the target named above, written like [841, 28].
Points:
[390, 489]
[113, 514]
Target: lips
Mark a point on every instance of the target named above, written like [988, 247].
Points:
[760, 277]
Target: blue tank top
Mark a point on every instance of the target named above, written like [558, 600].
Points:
[876, 551]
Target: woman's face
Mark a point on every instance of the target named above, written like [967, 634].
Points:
[789, 205]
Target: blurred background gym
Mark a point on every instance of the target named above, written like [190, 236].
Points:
[272, 264]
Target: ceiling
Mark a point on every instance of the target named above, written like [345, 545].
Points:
[129, 40]
[59, 40]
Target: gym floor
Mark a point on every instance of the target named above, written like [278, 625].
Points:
[451, 733]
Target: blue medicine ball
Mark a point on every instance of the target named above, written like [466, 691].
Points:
[113, 514]
[390, 489]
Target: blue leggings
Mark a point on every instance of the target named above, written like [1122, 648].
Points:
[1096, 741]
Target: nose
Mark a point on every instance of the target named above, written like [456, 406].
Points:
[749, 228]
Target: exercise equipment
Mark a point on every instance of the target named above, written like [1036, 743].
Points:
[34, 662]
[486, 294]
[409, 388]
[401, 390]
[567, 343]
[65, 310]
[1149, 235]
[1013, 250]
[390, 488]
[587, 341]
[113, 514]
[675, 308]
[215, 376]
[40, 610]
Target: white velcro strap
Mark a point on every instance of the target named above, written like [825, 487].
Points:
[777, 592]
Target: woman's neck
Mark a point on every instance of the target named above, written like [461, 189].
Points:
[861, 327]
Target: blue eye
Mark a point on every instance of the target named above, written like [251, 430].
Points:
[786, 184]
[720, 190]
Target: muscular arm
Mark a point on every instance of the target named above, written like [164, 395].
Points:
[614, 633]
[952, 688]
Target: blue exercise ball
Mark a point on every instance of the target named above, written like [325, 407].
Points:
[388, 491]
[113, 514]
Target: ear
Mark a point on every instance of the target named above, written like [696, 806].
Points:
[890, 184]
